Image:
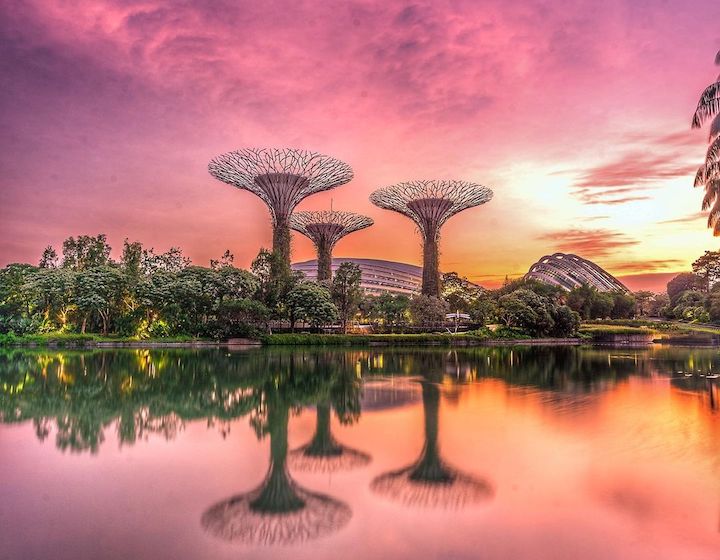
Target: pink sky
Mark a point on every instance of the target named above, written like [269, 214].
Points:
[575, 113]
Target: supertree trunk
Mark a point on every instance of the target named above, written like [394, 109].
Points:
[324, 255]
[281, 240]
[431, 285]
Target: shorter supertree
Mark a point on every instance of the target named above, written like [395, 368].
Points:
[282, 178]
[430, 204]
[325, 228]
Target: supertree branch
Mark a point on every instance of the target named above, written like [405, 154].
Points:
[325, 228]
[281, 177]
[430, 204]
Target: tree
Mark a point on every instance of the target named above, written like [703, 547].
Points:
[708, 175]
[427, 311]
[581, 299]
[86, 252]
[171, 260]
[388, 309]
[683, 282]
[708, 267]
[98, 290]
[623, 305]
[311, 303]
[49, 258]
[526, 310]
[346, 292]
[566, 322]
[643, 302]
[459, 292]
[227, 259]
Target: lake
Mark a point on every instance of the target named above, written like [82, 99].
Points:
[538, 453]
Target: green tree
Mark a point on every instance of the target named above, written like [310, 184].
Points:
[643, 302]
[311, 303]
[85, 252]
[623, 306]
[526, 310]
[346, 292]
[708, 267]
[428, 311]
[98, 292]
[683, 282]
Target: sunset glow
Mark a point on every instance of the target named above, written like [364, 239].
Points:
[576, 114]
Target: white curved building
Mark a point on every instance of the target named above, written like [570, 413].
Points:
[570, 271]
[378, 277]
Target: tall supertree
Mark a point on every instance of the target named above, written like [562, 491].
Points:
[281, 177]
[430, 204]
[325, 228]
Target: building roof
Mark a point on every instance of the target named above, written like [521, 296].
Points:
[378, 276]
[571, 271]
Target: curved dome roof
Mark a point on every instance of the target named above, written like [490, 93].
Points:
[570, 271]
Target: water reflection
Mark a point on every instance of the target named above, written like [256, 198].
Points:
[279, 511]
[430, 481]
[583, 439]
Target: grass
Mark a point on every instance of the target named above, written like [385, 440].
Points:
[608, 330]
[77, 339]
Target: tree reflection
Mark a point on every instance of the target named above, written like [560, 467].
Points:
[279, 511]
[430, 481]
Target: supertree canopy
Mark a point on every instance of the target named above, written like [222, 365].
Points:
[430, 204]
[281, 177]
[325, 228]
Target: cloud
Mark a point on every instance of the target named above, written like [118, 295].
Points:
[652, 265]
[637, 170]
[695, 216]
[588, 243]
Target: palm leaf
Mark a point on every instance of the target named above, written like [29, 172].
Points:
[711, 193]
[713, 217]
[714, 128]
[717, 58]
[700, 176]
[713, 151]
[708, 105]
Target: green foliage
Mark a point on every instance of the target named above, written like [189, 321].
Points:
[311, 303]
[346, 292]
[590, 303]
[387, 310]
[682, 283]
[428, 311]
[526, 310]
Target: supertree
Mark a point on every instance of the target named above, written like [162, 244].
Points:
[325, 228]
[281, 177]
[430, 204]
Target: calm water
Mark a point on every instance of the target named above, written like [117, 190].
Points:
[487, 453]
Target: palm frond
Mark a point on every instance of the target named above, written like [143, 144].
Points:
[713, 151]
[700, 176]
[717, 58]
[708, 105]
[714, 128]
[713, 218]
[712, 189]
[712, 172]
